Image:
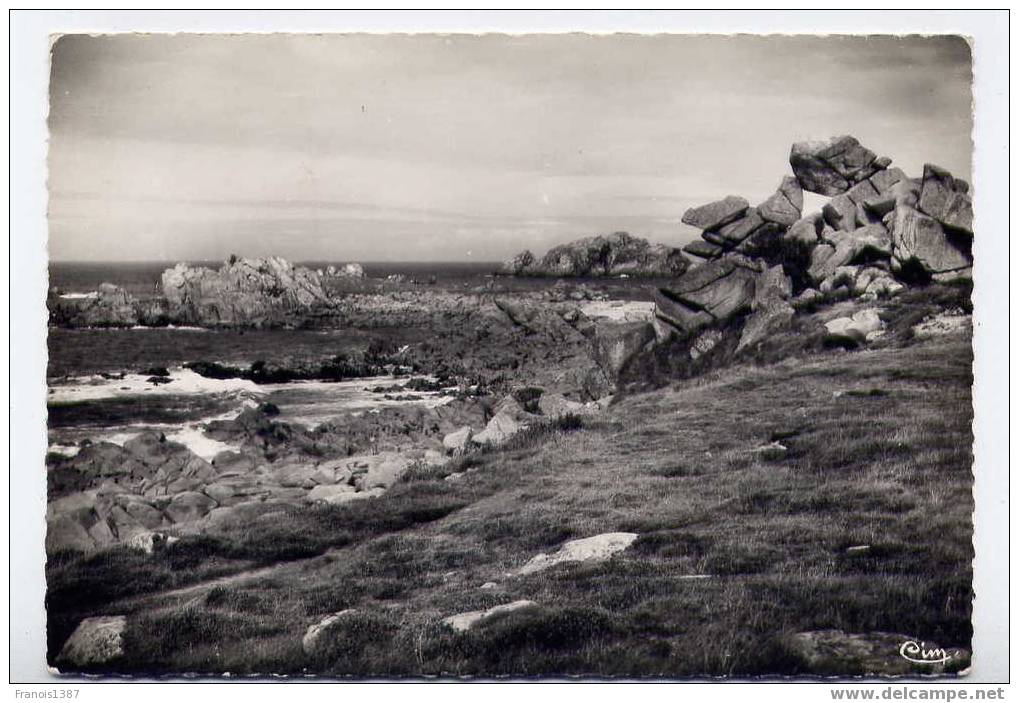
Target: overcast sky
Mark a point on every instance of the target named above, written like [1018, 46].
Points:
[430, 147]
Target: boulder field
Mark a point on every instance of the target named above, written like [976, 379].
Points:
[150, 491]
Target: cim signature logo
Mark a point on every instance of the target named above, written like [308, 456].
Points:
[918, 653]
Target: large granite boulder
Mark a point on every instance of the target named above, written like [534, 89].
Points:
[786, 205]
[713, 291]
[614, 344]
[807, 230]
[770, 306]
[509, 419]
[613, 255]
[704, 249]
[871, 242]
[716, 214]
[920, 240]
[737, 230]
[831, 167]
[96, 641]
[243, 292]
[946, 199]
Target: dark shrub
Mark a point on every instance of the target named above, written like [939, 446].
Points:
[528, 397]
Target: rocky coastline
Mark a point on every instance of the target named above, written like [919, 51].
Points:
[763, 283]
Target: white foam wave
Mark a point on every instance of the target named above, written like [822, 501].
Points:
[181, 382]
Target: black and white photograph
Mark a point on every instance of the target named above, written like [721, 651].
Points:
[510, 356]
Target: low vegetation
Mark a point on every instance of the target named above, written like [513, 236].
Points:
[747, 484]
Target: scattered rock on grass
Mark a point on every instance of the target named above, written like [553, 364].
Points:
[465, 621]
[595, 548]
[856, 329]
[148, 542]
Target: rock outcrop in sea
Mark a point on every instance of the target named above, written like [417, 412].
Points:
[613, 255]
[107, 306]
[243, 291]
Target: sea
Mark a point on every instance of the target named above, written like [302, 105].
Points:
[142, 277]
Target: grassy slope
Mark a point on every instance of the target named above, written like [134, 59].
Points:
[886, 465]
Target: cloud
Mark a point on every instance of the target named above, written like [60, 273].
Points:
[177, 132]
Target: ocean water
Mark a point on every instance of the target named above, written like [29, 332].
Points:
[142, 277]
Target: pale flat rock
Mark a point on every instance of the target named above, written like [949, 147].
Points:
[149, 542]
[95, 641]
[597, 548]
[857, 327]
[465, 621]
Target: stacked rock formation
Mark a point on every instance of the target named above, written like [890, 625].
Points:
[617, 254]
[731, 224]
[880, 231]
